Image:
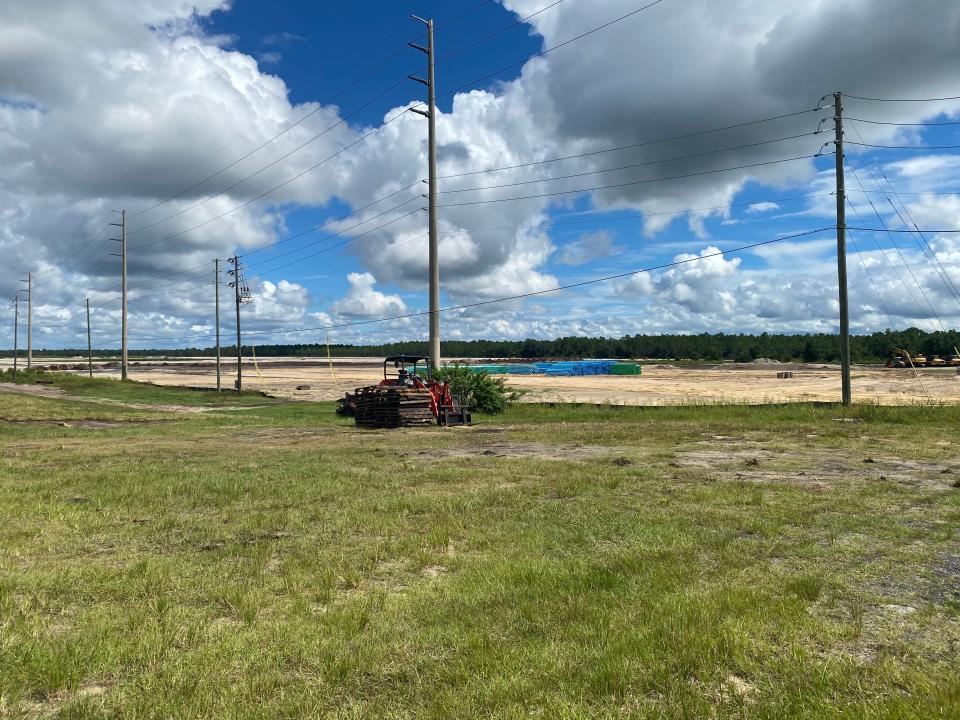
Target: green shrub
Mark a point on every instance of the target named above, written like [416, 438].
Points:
[479, 391]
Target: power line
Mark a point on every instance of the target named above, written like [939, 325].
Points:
[76, 252]
[910, 194]
[340, 122]
[332, 247]
[467, 229]
[904, 124]
[534, 293]
[632, 145]
[272, 164]
[298, 260]
[893, 266]
[899, 252]
[277, 187]
[946, 277]
[903, 100]
[640, 216]
[870, 278]
[494, 34]
[904, 147]
[550, 49]
[626, 167]
[635, 182]
[518, 227]
[932, 258]
[320, 107]
[906, 230]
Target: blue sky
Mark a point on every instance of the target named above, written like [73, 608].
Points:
[184, 104]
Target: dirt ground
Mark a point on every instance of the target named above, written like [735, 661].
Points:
[662, 384]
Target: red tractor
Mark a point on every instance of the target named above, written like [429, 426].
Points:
[405, 399]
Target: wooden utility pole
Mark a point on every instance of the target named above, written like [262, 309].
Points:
[241, 295]
[123, 291]
[433, 259]
[842, 251]
[216, 292]
[16, 331]
[29, 282]
[89, 343]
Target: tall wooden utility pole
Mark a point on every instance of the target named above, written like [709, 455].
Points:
[16, 331]
[89, 343]
[241, 295]
[434, 261]
[216, 292]
[842, 252]
[123, 291]
[29, 282]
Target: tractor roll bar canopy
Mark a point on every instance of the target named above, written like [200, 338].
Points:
[401, 361]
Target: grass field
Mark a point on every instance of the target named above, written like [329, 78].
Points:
[268, 560]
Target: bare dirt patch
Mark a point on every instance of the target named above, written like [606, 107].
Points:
[37, 390]
[816, 470]
[537, 451]
[661, 384]
[49, 391]
[86, 424]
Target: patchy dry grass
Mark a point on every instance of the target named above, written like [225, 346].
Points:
[556, 562]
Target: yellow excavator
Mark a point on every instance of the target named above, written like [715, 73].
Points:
[900, 358]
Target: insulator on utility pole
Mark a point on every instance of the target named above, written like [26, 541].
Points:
[433, 256]
[216, 291]
[842, 251]
[89, 343]
[123, 291]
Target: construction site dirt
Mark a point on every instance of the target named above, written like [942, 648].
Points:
[660, 384]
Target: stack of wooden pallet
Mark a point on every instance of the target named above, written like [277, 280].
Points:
[388, 407]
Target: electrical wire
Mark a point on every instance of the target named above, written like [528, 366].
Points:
[899, 252]
[533, 293]
[627, 184]
[340, 122]
[903, 124]
[944, 193]
[883, 253]
[494, 34]
[631, 145]
[905, 230]
[640, 216]
[904, 147]
[468, 229]
[626, 167]
[901, 100]
[548, 50]
[319, 107]
[932, 257]
[870, 278]
[920, 232]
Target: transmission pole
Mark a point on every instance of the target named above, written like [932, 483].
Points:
[29, 282]
[216, 291]
[123, 291]
[842, 251]
[16, 331]
[434, 261]
[89, 343]
[241, 295]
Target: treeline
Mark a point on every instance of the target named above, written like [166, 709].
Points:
[705, 347]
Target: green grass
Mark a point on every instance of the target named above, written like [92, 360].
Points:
[133, 392]
[274, 561]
